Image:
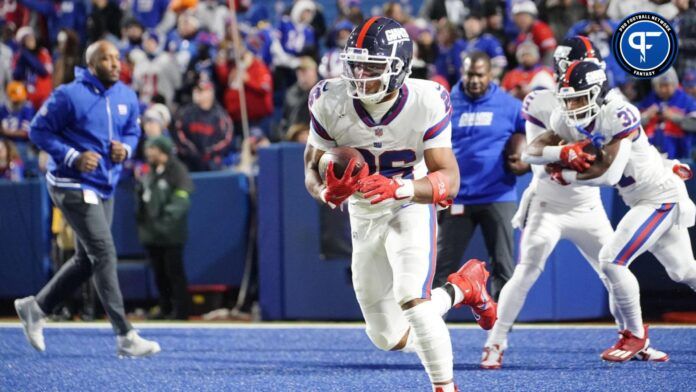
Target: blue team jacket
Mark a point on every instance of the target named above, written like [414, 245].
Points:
[480, 131]
[81, 116]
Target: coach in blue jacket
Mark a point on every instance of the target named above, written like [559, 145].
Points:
[88, 127]
[484, 119]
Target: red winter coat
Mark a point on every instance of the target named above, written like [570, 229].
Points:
[258, 89]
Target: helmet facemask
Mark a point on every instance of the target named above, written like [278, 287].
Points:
[360, 69]
[581, 115]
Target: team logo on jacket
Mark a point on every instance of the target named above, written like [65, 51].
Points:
[645, 44]
[122, 109]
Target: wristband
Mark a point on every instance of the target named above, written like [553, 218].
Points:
[405, 191]
[440, 186]
[552, 153]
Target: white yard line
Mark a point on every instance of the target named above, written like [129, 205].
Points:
[310, 325]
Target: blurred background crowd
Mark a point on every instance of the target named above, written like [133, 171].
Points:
[181, 58]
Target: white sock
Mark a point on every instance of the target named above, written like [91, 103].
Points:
[613, 307]
[432, 341]
[626, 293]
[442, 300]
[511, 300]
[444, 388]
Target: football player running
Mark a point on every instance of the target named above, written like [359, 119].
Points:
[660, 208]
[549, 212]
[402, 129]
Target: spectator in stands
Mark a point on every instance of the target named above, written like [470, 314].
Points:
[425, 50]
[204, 131]
[532, 29]
[599, 29]
[154, 71]
[132, 32]
[454, 11]
[529, 75]
[484, 118]
[11, 166]
[562, 14]
[213, 15]
[156, 120]
[5, 70]
[149, 12]
[685, 24]
[493, 13]
[61, 14]
[104, 21]
[32, 65]
[15, 117]
[162, 214]
[258, 32]
[449, 49]
[475, 39]
[182, 42]
[85, 166]
[689, 82]
[331, 66]
[253, 75]
[295, 110]
[668, 115]
[68, 56]
[201, 65]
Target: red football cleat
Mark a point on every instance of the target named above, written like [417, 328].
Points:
[627, 347]
[471, 280]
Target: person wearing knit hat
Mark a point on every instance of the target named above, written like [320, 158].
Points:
[668, 115]
[161, 214]
[15, 117]
[525, 14]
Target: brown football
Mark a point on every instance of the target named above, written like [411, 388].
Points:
[340, 156]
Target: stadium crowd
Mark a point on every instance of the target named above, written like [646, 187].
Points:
[180, 56]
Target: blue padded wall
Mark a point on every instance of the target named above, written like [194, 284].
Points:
[24, 231]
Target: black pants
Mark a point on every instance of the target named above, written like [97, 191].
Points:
[170, 277]
[95, 256]
[455, 232]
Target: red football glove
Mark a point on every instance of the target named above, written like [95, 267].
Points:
[555, 171]
[385, 188]
[338, 190]
[683, 171]
[575, 158]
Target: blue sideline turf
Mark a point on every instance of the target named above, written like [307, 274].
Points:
[326, 359]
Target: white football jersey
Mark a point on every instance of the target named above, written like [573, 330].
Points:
[646, 178]
[392, 145]
[536, 109]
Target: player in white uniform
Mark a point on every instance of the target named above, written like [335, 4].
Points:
[661, 210]
[402, 128]
[549, 212]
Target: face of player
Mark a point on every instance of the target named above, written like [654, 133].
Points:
[370, 71]
[106, 64]
[576, 102]
[665, 90]
[476, 77]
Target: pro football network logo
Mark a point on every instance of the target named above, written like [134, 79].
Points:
[645, 44]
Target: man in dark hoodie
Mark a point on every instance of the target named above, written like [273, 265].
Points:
[88, 128]
[162, 211]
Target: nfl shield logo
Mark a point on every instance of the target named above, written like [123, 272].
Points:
[379, 132]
